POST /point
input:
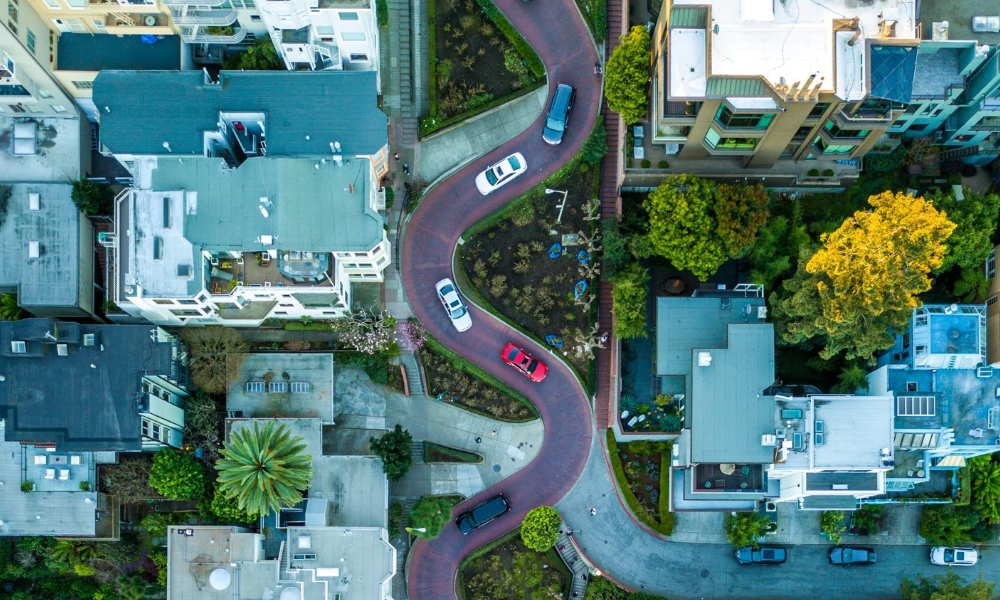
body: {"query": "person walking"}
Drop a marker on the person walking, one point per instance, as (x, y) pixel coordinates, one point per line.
(396, 156)
(406, 168)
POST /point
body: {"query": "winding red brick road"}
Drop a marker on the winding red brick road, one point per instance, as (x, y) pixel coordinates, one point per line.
(556, 31)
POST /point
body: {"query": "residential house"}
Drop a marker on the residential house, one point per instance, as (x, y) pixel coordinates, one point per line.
(283, 384)
(956, 87)
(49, 245)
(992, 309)
(946, 397)
(796, 93)
(245, 207)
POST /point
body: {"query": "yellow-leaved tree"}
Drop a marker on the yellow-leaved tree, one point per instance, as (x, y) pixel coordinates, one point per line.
(861, 285)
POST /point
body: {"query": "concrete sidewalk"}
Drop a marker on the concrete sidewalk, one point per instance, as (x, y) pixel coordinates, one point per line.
(471, 139)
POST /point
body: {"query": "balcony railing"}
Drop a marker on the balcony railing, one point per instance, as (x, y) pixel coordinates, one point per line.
(202, 37)
(219, 18)
(203, 3)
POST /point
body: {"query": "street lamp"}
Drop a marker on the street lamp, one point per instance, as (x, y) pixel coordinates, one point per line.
(561, 206)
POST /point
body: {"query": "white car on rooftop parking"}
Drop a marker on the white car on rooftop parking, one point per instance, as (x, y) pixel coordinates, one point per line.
(453, 305)
(946, 556)
(501, 173)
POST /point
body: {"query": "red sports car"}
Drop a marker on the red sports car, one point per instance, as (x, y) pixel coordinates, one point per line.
(532, 368)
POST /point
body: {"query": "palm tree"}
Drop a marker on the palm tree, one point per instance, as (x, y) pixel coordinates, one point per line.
(9, 310)
(264, 469)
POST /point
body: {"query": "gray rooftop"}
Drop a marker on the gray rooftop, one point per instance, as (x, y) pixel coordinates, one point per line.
(853, 481)
(856, 429)
(939, 65)
(140, 110)
(85, 400)
(959, 15)
(58, 150)
(728, 411)
(313, 370)
(53, 278)
(86, 52)
(63, 512)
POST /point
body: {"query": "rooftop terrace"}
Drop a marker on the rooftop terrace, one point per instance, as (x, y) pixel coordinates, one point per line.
(86, 52)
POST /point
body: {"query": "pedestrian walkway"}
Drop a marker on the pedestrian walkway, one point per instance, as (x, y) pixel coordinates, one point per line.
(467, 141)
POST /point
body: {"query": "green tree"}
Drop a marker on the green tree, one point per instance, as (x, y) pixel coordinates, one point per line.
(156, 523)
(177, 475)
(626, 76)
(393, 448)
(975, 220)
(740, 210)
(259, 57)
(596, 145)
(9, 310)
(746, 528)
(129, 479)
(985, 474)
(972, 285)
(946, 525)
(629, 301)
(682, 225)
(616, 253)
(216, 354)
(862, 283)
(540, 528)
(431, 513)
(852, 378)
(949, 586)
(599, 588)
(264, 469)
(775, 253)
(831, 524)
(93, 198)
(159, 560)
(202, 423)
(227, 510)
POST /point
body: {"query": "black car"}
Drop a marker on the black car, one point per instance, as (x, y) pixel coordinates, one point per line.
(764, 555)
(847, 556)
(558, 118)
(482, 514)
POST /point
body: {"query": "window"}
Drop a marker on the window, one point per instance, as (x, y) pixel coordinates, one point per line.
(184, 312)
(255, 386)
(7, 67)
(299, 387)
(818, 110)
(348, 16)
(31, 41)
(991, 300)
(58, 108)
(52, 3)
(18, 347)
(12, 10)
(915, 406)
(918, 126)
(730, 120)
(32, 108)
(145, 428)
(83, 85)
(832, 149)
(277, 387)
(991, 264)
(353, 36)
(911, 386)
(714, 140)
(359, 57)
(156, 431)
(834, 131)
(44, 93)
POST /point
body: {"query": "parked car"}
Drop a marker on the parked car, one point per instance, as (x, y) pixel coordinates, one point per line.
(501, 173)
(764, 555)
(947, 556)
(847, 556)
(558, 118)
(453, 305)
(527, 364)
(482, 514)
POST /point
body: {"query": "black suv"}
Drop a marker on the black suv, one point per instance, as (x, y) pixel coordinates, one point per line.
(764, 555)
(847, 556)
(558, 118)
(482, 514)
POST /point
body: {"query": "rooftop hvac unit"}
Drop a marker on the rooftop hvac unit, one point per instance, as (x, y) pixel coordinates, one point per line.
(768, 439)
(704, 359)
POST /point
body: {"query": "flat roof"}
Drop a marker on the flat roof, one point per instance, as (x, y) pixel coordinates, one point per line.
(687, 67)
(957, 333)
(312, 398)
(729, 412)
(86, 400)
(52, 279)
(783, 39)
(939, 65)
(959, 17)
(856, 429)
(356, 563)
(87, 52)
(330, 106)
(57, 155)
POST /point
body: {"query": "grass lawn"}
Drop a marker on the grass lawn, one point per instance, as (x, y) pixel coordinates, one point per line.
(507, 570)
(436, 453)
(509, 265)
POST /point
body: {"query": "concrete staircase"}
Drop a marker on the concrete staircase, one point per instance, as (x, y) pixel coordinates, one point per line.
(400, 55)
(417, 454)
(413, 379)
(567, 551)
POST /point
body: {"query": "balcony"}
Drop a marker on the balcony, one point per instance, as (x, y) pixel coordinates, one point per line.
(212, 34)
(202, 3)
(304, 269)
(206, 18)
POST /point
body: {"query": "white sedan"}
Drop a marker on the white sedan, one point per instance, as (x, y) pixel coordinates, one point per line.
(453, 305)
(501, 173)
(947, 556)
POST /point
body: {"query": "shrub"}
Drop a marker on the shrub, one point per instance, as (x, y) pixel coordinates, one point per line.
(395, 519)
(227, 510)
(745, 528)
(382, 13)
(84, 486)
(27, 486)
(596, 145)
(215, 356)
(394, 449)
(946, 525)
(156, 524)
(663, 164)
(390, 197)
(525, 49)
(93, 198)
(813, 173)
(645, 164)
(177, 475)
(828, 173)
(540, 528)
(831, 523)
(864, 521)
(431, 513)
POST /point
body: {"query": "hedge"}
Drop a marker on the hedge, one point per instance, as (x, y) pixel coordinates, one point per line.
(300, 326)
(666, 524)
(522, 47)
(459, 455)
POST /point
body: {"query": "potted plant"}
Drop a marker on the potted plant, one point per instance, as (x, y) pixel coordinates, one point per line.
(813, 172)
(828, 173)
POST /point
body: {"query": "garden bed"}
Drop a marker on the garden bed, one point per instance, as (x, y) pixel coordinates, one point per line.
(477, 60)
(662, 413)
(507, 570)
(436, 453)
(508, 262)
(453, 379)
(646, 488)
(376, 366)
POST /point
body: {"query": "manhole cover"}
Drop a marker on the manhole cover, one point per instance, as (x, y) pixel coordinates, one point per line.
(704, 573)
(496, 468)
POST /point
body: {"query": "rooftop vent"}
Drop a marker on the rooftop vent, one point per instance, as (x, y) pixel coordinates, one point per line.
(34, 249)
(89, 339)
(62, 349)
(183, 270)
(704, 359)
(34, 202)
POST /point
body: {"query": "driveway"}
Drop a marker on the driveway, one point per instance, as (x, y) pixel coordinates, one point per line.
(429, 241)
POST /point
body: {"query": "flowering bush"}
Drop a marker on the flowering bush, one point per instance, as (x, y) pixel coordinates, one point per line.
(368, 332)
(411, 335)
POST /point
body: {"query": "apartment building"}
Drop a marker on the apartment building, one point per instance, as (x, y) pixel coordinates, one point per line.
(794, 93)
(245, 206)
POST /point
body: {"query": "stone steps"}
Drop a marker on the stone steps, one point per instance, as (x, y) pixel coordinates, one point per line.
(417, 453)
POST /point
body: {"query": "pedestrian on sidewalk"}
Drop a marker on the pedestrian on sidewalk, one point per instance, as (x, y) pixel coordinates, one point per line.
(406, 168)
(396, 156)
(593, 511)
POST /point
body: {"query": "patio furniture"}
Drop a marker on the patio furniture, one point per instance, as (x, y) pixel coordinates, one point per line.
(727, 468)
(921, 473)
(976, 433)
(220, 274)
(50, 473)
(265, 259)
(63, 474)
(227, 264)
(993, 418)
(720, 483)
(39, 459)
(745, 470)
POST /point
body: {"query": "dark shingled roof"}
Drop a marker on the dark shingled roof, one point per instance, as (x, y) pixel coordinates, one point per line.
(140, 110)
(48, 398)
